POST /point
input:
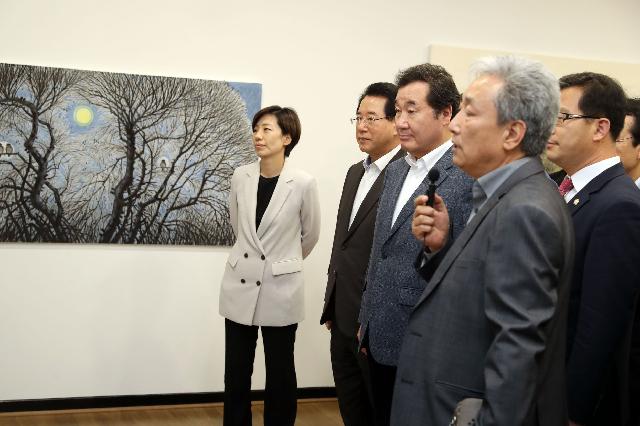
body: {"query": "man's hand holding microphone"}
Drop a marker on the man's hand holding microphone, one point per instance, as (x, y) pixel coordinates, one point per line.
(430, 218)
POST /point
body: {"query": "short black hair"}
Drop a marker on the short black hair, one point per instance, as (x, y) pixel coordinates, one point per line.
(288, 122)
(442, 89)
(382, 90)
(602, 96)
(633, 109)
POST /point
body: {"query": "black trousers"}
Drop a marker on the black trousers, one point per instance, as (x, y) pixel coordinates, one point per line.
(351, 376)
(280, 404)
(383, 378)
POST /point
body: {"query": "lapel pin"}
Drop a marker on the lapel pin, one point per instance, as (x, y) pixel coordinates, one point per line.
(576, 201)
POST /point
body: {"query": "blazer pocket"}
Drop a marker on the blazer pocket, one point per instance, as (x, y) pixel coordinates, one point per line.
(234, 255)
(287, 266)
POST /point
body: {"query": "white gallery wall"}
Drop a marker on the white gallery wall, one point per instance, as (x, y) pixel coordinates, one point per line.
(121, 320)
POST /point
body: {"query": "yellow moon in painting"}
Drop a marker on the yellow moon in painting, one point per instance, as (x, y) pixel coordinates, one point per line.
(83, 115)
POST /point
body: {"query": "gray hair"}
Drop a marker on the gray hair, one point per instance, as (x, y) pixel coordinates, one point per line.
(529, 93)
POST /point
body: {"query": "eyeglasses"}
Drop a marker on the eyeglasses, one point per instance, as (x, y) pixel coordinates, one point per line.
(564, 116)
(628, 138)
(368, 121)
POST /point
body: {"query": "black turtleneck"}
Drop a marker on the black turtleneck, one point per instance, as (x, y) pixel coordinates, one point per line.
(265, 191)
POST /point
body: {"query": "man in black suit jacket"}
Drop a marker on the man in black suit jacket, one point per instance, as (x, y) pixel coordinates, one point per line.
(377, 137)
(605, 207)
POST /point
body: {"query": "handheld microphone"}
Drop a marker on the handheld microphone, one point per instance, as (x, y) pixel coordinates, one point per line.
(433, 176)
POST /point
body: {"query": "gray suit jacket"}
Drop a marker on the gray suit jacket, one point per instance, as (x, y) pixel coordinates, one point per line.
(491, 323)
(393, 285)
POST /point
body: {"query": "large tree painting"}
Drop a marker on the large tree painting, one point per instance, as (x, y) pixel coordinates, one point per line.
(100, 157)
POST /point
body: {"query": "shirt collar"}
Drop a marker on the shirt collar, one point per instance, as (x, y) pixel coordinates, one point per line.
(585, 175)
(491, 181)
(381, 162)
(430, 159)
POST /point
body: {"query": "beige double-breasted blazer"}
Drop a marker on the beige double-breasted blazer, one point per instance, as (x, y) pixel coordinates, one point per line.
(263, 278)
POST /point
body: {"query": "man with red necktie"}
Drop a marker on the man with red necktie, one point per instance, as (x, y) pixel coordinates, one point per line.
(605, 207)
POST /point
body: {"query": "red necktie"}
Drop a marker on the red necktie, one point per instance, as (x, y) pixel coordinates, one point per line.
(565, 186)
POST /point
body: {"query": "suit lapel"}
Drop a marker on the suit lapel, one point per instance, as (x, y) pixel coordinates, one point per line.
(388, 203)
(371, 198)
(367, 204)
(443, 164)
(348, 197)
(595, 185)
(250, 193)
(526, 170)
(578, 200)
(280, 195)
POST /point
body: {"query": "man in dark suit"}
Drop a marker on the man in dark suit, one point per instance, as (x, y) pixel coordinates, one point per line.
(427, 99)
(486, 339)
(628, 148)
(628, 142)
(377, 137)
(605, 207)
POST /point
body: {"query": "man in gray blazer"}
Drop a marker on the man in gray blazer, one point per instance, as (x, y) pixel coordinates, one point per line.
(377, 137)
(487, 338)
(427, 99)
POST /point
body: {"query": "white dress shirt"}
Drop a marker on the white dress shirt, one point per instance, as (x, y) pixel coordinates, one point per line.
(585, 175)
(371, 173)
(419, 168)
(638, 183)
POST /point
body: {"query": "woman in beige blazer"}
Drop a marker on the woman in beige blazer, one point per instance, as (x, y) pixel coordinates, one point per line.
(275, 216)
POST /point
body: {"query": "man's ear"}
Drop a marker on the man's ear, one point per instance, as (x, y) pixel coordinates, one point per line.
(514, 134)
(446, 114)
(287, 140)
(602, 129)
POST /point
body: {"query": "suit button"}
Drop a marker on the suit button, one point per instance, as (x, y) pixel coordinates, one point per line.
(242, 281)
(246, 255)
(262, 257)
(257, 282)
